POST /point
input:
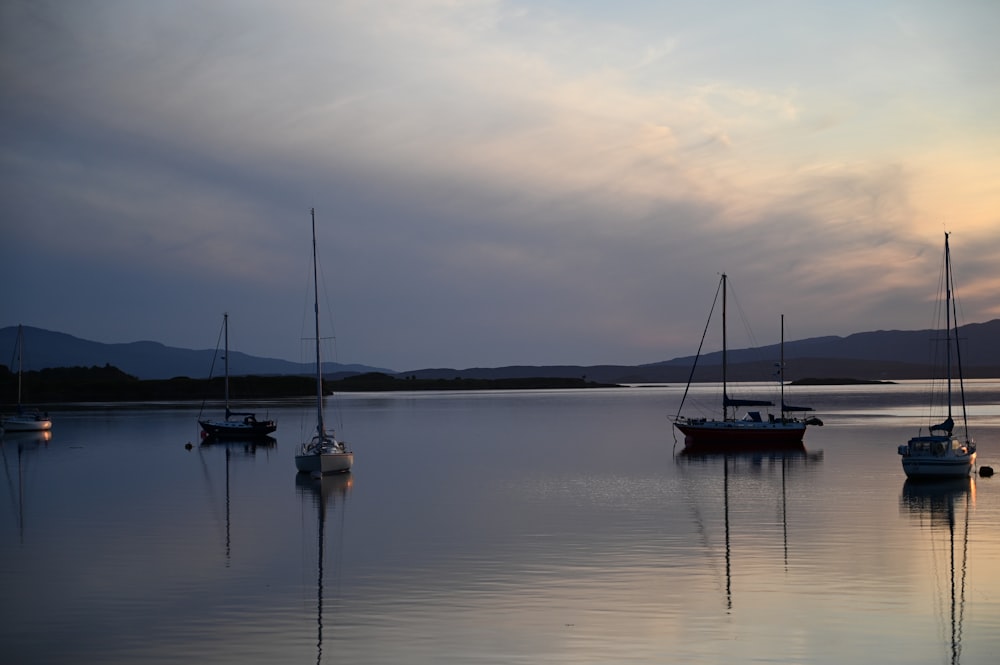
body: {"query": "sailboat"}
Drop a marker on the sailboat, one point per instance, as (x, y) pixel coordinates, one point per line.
(752, 429)
(940, 453)
(323, 453)
(25, 419)
(246, 427)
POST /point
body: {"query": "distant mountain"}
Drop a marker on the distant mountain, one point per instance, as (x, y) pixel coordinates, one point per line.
(878, 355)
(979, 347)
(147, 360)
(882, 354)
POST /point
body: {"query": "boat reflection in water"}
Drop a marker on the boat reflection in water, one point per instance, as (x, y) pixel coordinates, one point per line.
(246, 446)
(940, 506)
(18, 448)
(758, 461)
(26, 437)
(231, 447)
(324, 492)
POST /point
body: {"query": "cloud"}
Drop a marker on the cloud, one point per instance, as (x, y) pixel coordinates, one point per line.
(495, 182)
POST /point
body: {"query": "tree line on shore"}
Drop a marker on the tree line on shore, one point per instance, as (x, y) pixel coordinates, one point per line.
(110, 384)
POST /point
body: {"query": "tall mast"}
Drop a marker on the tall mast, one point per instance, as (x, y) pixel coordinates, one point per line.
(947, 309)
(725, 391)
(225, 328)
(20, 354)
(320, 429)
(781, 370)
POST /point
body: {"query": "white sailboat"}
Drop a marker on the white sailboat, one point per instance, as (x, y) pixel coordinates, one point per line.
(323, 453)
(25, 419)
(246, 427)
(940, 453)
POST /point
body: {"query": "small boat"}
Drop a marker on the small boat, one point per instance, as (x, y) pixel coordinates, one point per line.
(940, 453)
(246, 425)
(753, 429)
(24, 419)
(323, 453)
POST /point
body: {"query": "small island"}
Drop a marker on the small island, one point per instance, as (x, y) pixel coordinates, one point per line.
(379, 382)
(838, 381)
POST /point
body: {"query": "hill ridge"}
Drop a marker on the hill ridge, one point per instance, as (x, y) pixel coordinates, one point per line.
(879, 354)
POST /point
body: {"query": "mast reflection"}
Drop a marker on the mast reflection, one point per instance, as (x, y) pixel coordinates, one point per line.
(27, 445)
(231, 448)
(323, 491)
(935, 504)
(740, 460)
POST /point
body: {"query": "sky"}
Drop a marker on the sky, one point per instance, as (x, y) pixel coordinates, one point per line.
(495, 182)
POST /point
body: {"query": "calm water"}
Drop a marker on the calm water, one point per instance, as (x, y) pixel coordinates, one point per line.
(541, 527)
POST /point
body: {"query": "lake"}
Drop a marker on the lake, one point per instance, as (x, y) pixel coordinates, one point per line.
(498, 527)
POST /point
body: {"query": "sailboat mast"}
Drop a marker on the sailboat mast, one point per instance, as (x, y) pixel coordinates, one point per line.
(953, 313)
(20, 354)
(781, 370)
(225, 327)
(320, 429)
(947, 310)
(725, 391)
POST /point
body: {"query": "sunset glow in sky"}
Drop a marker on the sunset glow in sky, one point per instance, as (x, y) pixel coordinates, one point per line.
(544, 182)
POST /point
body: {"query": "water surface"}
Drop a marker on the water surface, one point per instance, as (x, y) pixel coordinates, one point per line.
(497, 527)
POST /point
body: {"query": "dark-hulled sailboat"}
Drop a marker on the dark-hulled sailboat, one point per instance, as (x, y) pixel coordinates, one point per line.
(753, 429)
(245, 426)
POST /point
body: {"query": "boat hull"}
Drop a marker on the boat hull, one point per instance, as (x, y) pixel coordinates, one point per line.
(741, 433)
(935, 457)
(26, 424)
(237, 430)
(324, 463)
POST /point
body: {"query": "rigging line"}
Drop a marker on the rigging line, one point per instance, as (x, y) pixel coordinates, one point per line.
(211, 370)
(958, 350)
(328, 311)
(744, 320)
(694, 365)
(17, 348)
(326, 299)
(333, 356)
(936, 357)
(755, 349)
